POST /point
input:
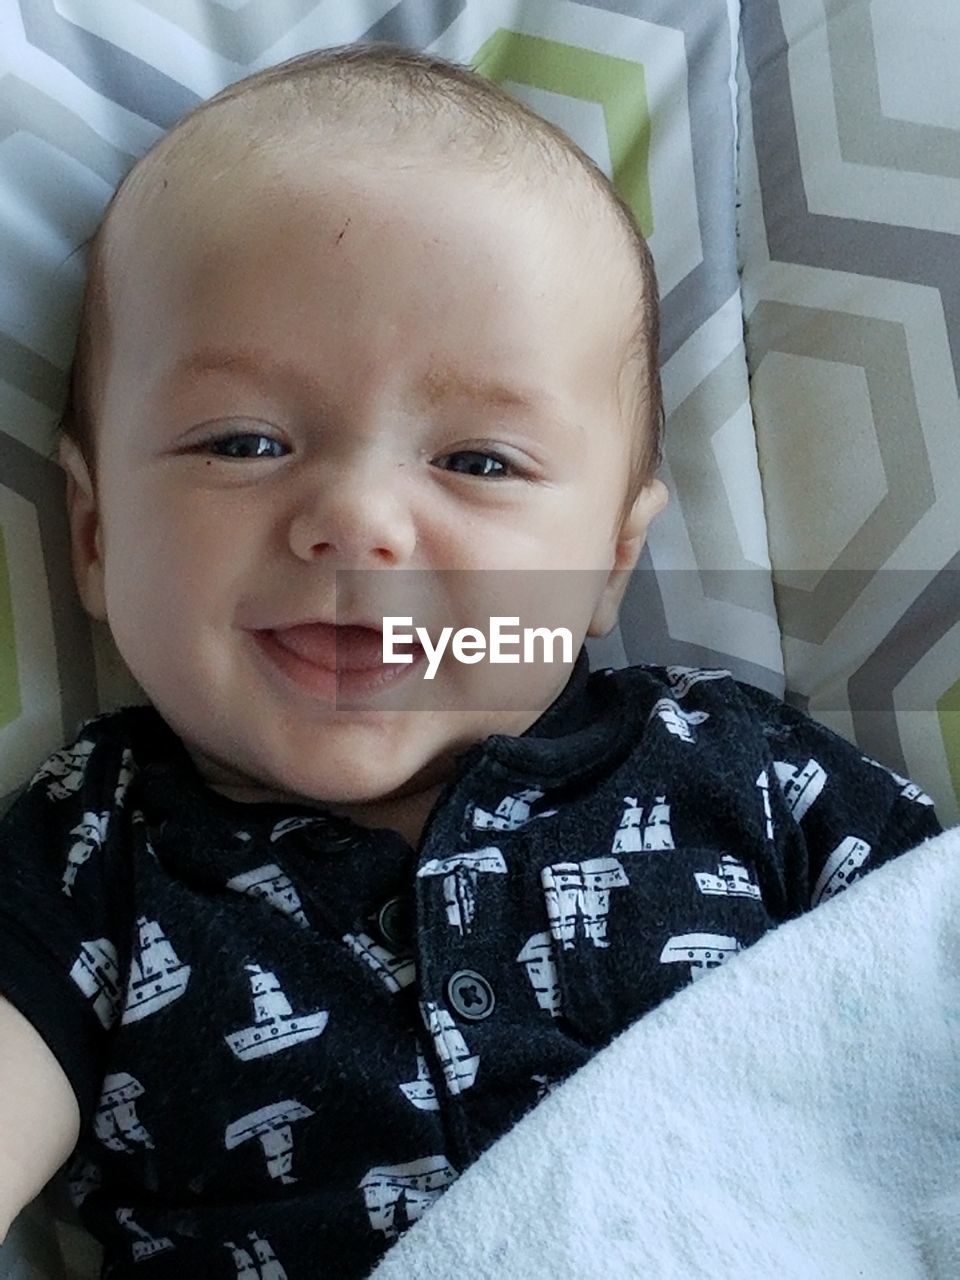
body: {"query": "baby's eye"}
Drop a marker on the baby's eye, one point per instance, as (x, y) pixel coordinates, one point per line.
(223, 446)
(477, 463)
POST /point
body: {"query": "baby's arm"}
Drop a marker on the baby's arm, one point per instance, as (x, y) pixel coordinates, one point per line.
(39, 1116)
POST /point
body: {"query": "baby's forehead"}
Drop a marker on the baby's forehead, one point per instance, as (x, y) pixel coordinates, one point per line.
(216, 223)
(238, 152)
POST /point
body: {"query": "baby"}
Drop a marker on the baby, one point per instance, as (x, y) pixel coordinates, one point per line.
(279, 964)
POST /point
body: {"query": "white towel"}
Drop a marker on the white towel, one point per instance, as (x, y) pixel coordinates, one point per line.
(794, 1115)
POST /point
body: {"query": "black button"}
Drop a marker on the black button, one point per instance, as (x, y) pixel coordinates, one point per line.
(395, 922)
(470, 995)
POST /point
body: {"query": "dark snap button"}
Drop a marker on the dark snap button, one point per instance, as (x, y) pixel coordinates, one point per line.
(395, 922)
(470, 995)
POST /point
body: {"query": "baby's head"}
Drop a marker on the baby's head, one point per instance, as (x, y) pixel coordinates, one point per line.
(320, 292)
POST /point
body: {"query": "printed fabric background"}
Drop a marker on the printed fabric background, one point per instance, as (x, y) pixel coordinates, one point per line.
(795, 167)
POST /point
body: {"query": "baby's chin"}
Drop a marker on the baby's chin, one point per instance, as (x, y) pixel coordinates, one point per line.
(333, 784)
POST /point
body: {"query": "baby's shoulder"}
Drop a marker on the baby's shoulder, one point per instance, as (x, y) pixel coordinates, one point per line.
(648, 685)
(714, 694)
(713, 707)
(91, 772)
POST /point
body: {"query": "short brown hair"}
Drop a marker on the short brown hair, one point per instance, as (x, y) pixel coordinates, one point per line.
(416, 87)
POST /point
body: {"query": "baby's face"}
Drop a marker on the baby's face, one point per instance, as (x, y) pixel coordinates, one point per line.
(343, 323)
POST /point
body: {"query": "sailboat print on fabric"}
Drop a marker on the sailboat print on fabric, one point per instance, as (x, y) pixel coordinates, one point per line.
(395, 972)
(537, 957)
(701, 951)
(422, 1091)
(397, 1195)
(800, 787)
(274, 885)
(92, 830)
(732, 880)
(64, 770)
(909, 790)
(678, 722)
(263, 1265)
(763, 782)
(272, 1125)
(459, 1064)
(581, 891)
(511, 813)
(460, 872)
(840, 869)
(276, 1027)
(656, 832)
(682, 679)
(116, 1123)
(67, 778)
(147, 1245)
(545, 1086)
(97, 973)
(157, 976)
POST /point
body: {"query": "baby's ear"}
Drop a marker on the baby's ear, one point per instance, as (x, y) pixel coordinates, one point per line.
(86, 543)
(650, 501)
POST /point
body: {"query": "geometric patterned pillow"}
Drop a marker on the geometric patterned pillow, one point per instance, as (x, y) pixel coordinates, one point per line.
(850, 243)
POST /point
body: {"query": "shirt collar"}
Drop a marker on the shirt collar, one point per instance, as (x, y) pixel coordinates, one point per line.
(578, 735)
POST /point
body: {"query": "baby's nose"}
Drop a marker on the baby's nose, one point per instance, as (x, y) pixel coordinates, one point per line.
(358, 518)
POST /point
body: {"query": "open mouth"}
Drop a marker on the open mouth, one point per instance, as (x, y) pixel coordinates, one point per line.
(334, 661)
(336, 648)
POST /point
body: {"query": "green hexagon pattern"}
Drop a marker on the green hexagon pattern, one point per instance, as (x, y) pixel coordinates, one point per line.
(617, 85)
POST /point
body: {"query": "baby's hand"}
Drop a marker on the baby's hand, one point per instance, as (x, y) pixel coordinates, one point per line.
(39, 1116)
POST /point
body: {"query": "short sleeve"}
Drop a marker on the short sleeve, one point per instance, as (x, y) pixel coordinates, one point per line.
(844, 813)
(58, 956)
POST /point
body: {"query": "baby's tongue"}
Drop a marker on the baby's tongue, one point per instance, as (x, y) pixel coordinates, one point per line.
(337, 648)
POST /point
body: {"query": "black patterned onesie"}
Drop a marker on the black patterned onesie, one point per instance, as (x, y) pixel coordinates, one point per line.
(288, 1034)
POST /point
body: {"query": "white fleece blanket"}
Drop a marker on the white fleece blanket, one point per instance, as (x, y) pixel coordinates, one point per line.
(795, 1115)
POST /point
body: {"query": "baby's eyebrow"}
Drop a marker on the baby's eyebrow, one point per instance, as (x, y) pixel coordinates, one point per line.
(439, 384)
(442, 384)
(230, 360)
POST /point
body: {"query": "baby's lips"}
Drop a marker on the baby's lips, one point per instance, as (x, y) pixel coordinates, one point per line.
(337, 648)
